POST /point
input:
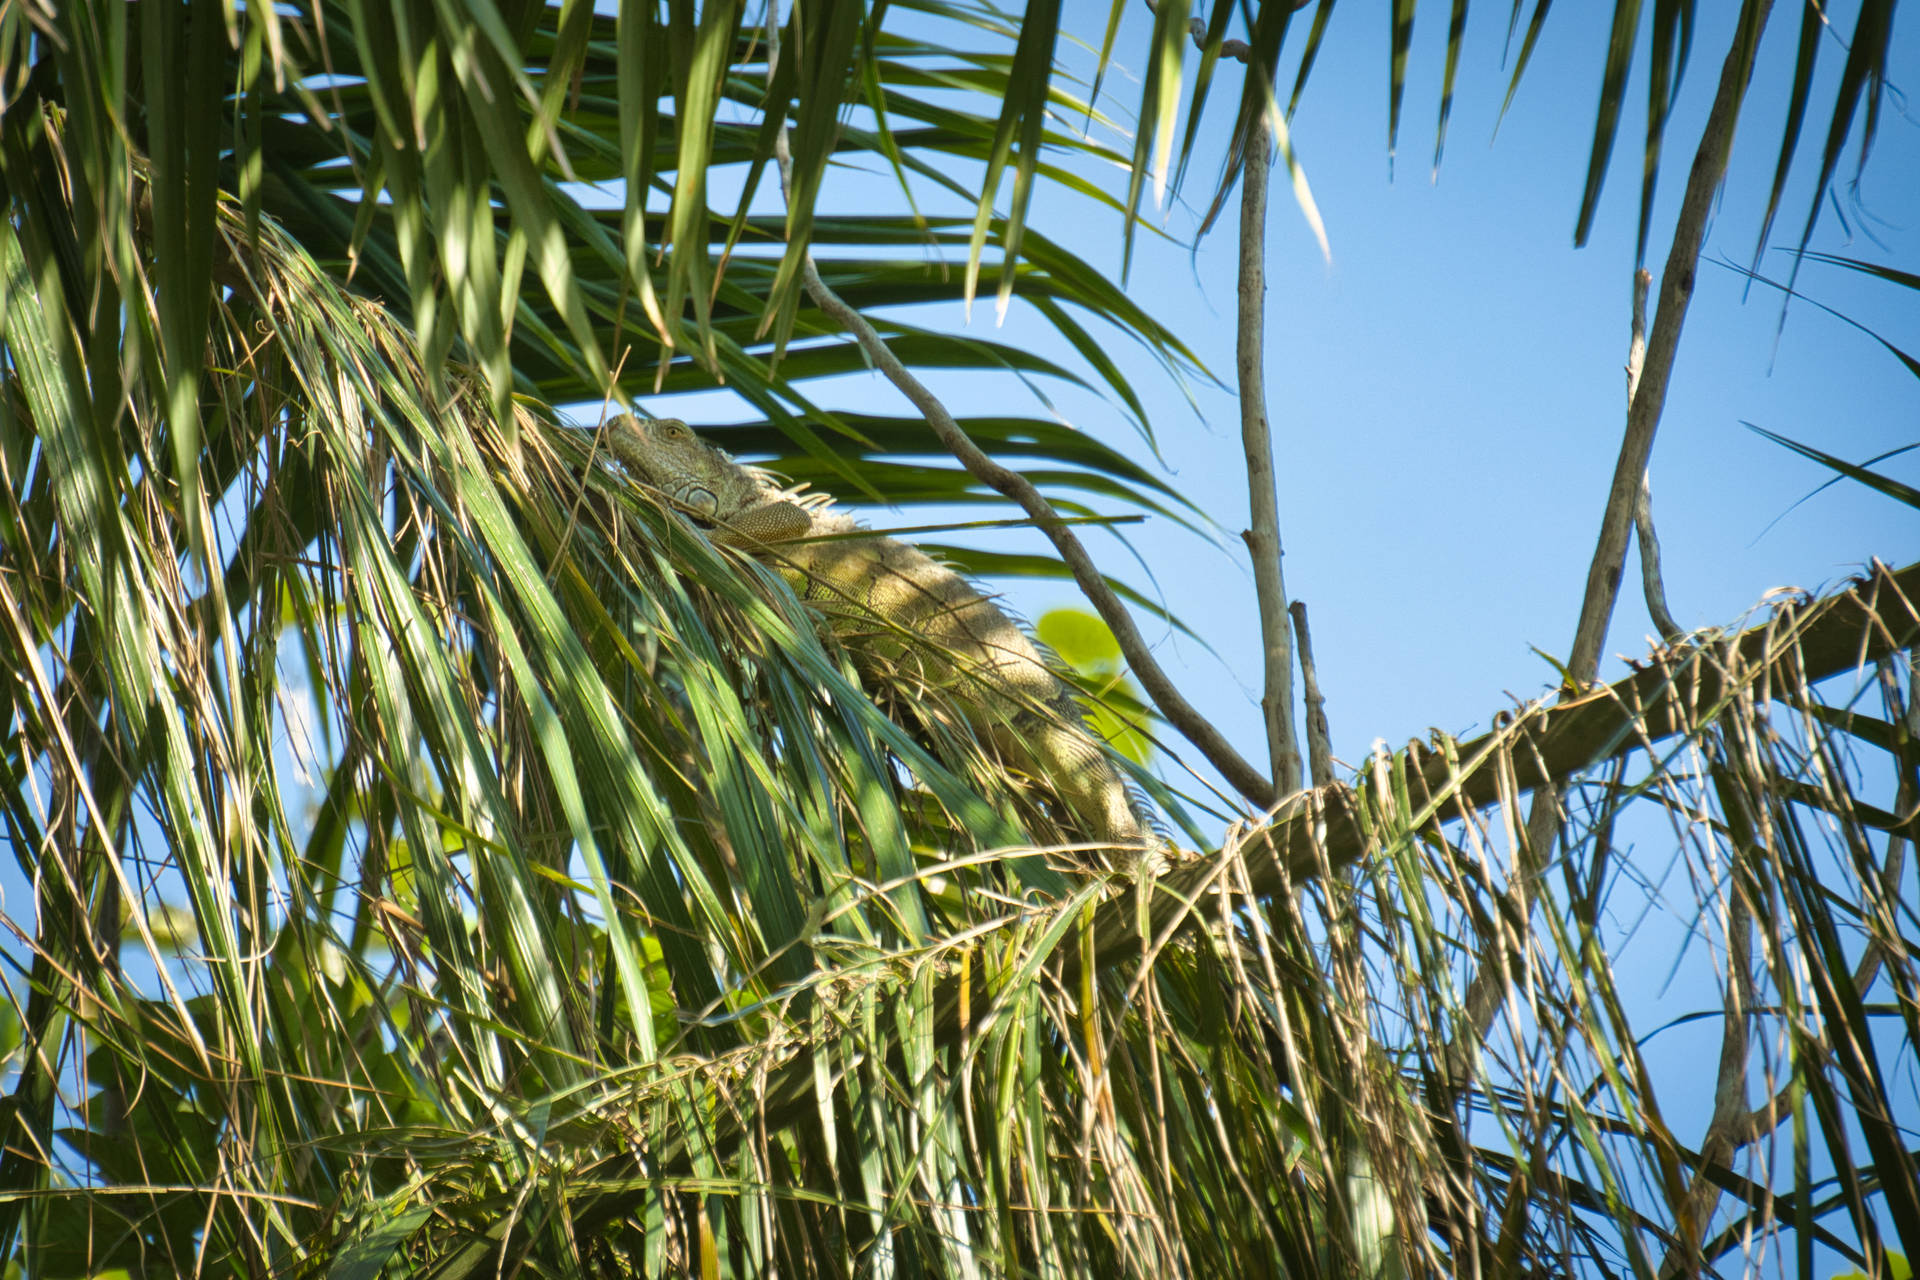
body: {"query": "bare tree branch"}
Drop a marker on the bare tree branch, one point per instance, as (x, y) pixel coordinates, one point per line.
(1651, 583)
(1263, 538)
(1319, 740)
(1652, 586)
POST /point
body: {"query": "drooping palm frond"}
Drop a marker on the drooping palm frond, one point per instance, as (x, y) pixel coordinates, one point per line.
(446, 154)
(530, 192)
(542, 761)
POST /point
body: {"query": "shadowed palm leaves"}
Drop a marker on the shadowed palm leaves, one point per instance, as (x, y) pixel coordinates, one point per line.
(441, 858)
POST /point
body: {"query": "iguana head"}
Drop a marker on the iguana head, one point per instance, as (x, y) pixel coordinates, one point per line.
(700, 478)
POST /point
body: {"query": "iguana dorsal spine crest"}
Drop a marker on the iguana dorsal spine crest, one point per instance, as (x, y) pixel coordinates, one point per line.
(964, 643)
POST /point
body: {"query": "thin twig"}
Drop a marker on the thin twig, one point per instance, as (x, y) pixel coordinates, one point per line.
(1637, 341)
(1263, 538)
(1651, 583)
(1731, 1124)
(1179, 712)
(1319, 739)
(1652, 586)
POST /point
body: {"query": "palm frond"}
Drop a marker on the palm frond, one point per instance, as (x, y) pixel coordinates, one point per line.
(442, 857)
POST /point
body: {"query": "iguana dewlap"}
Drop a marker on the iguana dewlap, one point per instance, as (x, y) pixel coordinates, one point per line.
(900, 612)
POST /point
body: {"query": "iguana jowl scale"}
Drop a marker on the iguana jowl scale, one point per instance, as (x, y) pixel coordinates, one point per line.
(880, 590)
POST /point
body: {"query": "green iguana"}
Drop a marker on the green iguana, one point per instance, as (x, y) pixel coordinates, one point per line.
(965, 645)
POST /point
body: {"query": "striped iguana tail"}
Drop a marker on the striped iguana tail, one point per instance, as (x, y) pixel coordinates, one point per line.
(903, 616)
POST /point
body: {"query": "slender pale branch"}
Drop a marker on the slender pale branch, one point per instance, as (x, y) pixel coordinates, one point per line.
(1637, 339)
(1180, 713)
(1263, 538)
(1319, 739)
(1652, 586)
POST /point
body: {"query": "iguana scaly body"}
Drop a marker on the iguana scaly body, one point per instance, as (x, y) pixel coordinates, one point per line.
(879, 590)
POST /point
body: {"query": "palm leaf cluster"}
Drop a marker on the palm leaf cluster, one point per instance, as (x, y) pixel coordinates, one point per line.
(443, 859)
